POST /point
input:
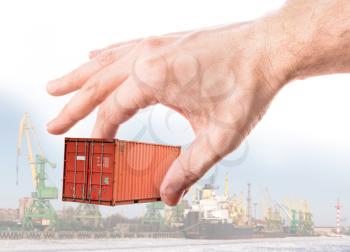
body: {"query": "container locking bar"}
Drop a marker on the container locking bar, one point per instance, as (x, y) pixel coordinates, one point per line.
(91, 167)
(100, 189)
(75, 170)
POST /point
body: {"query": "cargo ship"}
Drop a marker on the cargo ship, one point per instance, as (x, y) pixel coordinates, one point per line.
(195, 228)
(211, 216)
(216, 217)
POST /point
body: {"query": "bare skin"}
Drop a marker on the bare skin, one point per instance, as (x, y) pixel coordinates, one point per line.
(220, 79)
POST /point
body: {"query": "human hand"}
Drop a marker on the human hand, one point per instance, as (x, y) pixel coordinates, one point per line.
(221, 80)
(216, 78)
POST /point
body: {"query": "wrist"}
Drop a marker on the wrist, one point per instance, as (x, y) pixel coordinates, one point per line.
(305, 39)
(280, 49)
(264, 52)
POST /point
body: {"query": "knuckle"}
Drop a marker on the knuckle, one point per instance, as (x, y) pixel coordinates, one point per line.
(152, 63)
(94, 91)
(106, 57)
(90, 88)
(156, 64)
(75, 76)
(151, 42)
(124, 109)
(72, 116)
(151, 70)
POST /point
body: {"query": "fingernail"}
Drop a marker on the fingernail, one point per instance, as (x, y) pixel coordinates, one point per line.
(170, 190)
(48, 126)
(51, 87)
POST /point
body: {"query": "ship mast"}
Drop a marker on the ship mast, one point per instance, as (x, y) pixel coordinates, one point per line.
(249, 205)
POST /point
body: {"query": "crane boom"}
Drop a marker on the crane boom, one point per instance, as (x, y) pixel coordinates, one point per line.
(19, 145)
(31, 159)
(27, 130)
(25, 127)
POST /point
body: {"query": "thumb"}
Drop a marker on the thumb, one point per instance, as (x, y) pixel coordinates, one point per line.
(190, 166)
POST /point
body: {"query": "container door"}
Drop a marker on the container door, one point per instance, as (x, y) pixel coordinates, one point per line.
(76, 170)
(101, 171)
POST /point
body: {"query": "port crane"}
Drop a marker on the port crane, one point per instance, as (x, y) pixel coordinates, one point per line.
(291, 217)
(272, 213)
(40, 211)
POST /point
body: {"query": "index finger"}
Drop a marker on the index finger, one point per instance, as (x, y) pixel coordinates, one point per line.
(77, 78)
(91, 95)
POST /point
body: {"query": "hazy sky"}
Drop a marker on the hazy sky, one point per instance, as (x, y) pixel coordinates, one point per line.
(299, 150)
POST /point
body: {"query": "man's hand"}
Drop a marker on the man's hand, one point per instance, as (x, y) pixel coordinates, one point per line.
(221, 80)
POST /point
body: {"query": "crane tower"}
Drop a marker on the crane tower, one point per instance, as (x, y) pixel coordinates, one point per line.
(40, 212)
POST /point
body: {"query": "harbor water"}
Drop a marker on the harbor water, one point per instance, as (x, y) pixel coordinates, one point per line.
(291, 244)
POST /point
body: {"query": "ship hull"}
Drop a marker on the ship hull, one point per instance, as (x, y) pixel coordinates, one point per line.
(205, 230)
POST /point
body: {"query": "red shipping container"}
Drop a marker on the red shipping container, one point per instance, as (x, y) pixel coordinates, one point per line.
(113, 172)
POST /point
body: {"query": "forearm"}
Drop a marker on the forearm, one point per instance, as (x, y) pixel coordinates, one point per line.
(307, 38)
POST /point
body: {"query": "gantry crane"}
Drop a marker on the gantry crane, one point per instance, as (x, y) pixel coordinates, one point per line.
(272, 213)
(291, 214)
(40, 211)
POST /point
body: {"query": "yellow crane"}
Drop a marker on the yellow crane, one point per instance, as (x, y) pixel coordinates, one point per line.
(226, 190)
(40, 212)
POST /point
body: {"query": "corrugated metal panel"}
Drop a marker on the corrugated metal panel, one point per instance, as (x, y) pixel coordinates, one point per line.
(140, 169)
(114, 172)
